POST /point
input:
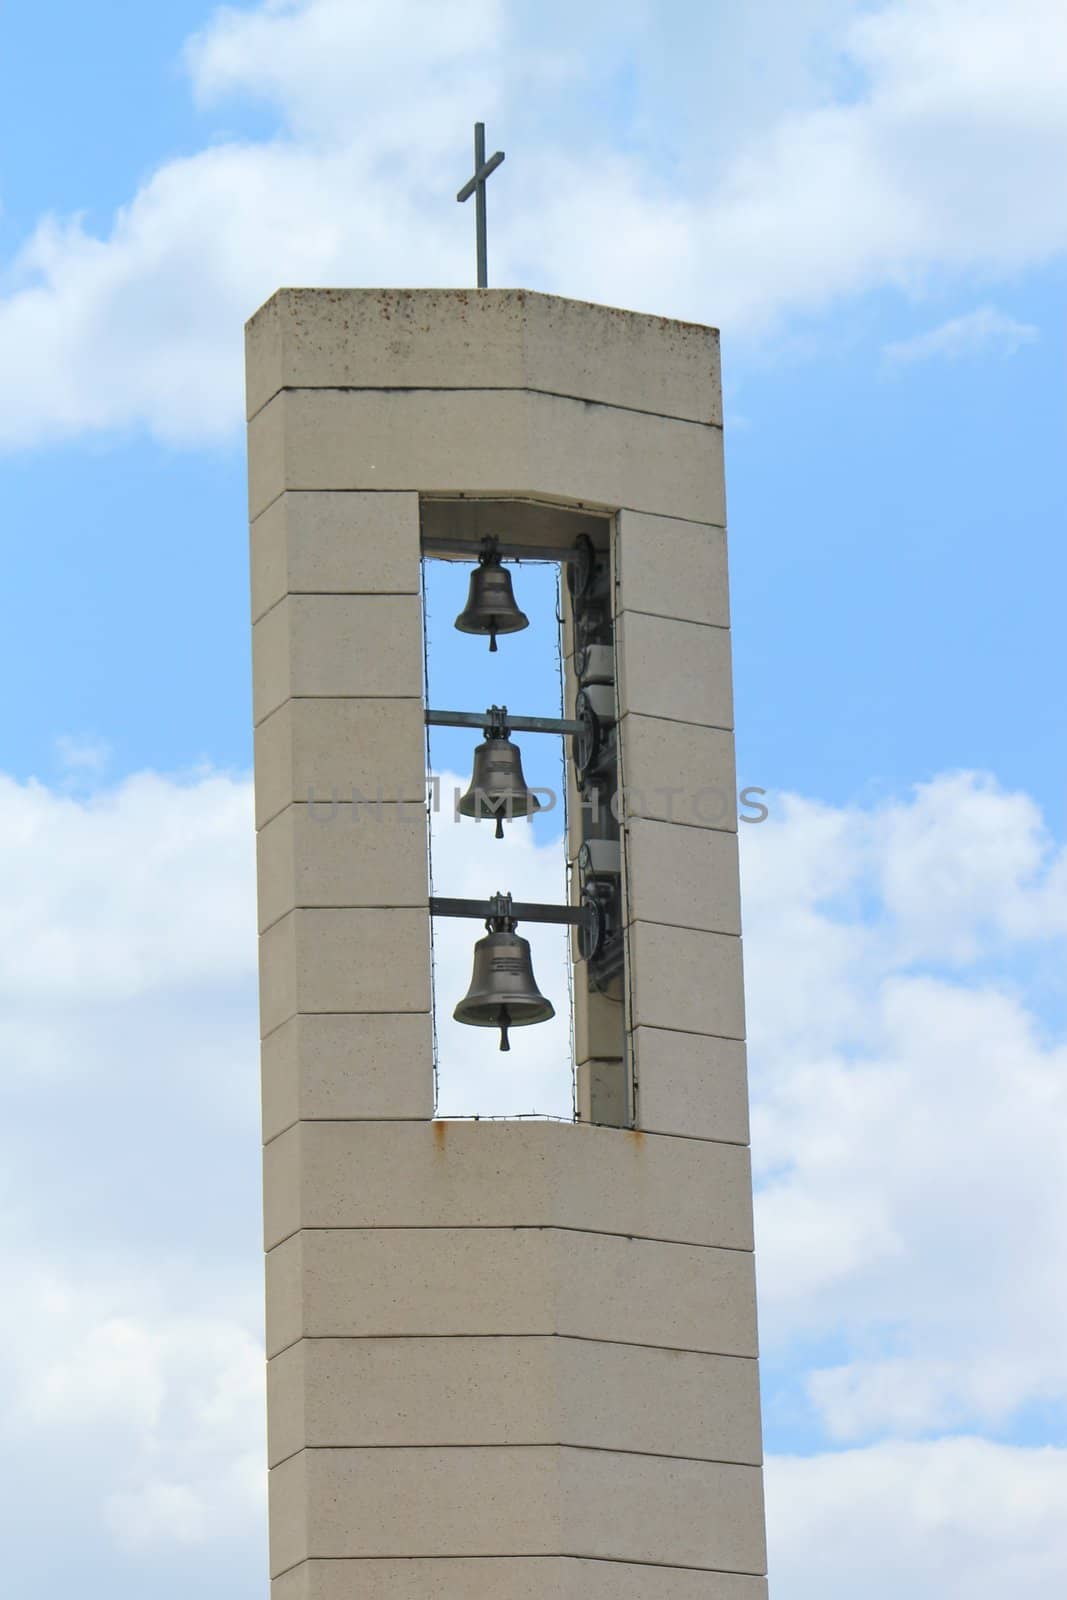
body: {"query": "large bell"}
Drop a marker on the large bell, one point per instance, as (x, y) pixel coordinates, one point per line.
(497, 787)
(491, 604)
(503, 992)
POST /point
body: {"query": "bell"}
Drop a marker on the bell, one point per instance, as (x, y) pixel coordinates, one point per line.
(497, 787)
(491, 604)
(503, 992)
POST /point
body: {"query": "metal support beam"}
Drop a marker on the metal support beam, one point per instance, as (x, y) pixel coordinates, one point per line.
(470, 550)
(520, 910)
(482, 719)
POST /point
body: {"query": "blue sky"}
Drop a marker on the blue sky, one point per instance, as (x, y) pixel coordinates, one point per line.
(868, 199)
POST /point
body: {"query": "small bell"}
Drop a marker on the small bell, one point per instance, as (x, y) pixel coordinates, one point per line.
(497, 787)
(491, 604)
(503, 992)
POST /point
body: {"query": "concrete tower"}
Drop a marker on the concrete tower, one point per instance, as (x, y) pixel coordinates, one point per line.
(508, 1360)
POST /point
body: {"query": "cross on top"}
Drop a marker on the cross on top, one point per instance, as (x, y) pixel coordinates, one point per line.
(476, 186)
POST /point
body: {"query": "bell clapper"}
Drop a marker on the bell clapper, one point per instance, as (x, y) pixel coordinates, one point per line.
(505, 1023)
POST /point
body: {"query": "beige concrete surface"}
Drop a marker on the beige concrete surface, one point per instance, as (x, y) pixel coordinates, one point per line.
(672, 569)
(320, 1067)
(686, 980)
(516, 1500)
(515, 1174)
(327, 750)
(509, 1578)
(678, 772)
(370, 854)
(679, 670)
(514, 1359)
(691, 1084)
(337, 645)
(335, 544)
(685, 876)
(348, 959)
(361, 1283)
(528, 1390)
(604, 1088)
(484, 441)
(528, 520)
(598, 1028)
(495, 338)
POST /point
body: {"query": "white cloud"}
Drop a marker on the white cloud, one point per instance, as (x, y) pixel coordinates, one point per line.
(909, 1104)
(958, 1519)
(138, 889)
(157, 1411)
(935, 164)
(83, 754)
(982, 332)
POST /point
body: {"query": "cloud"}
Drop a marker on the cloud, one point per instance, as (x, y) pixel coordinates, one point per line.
(982, 332)
(83, 754)
(910, 1097)
(920, 150)
(959, 1519)
(156, 1411)
(81, 927)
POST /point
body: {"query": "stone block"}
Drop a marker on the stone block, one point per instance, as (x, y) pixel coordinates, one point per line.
(599, 1025)
(678, 772)
(604, 1092)
(495, 338)
(509, 1578)
(331, 751)
(447, 1281)
(691, 1084)
(501, 1174)
(683, 875)
(687, 980)
(328, 1067)
(335, 544)
(332, 1393)
(679, 670)
(531, 1500)
(369, 854)
(337, 645)
(344, 959)
(478, 442)
(670, 568)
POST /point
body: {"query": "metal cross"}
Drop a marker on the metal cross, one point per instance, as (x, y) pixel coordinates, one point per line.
(476, 186)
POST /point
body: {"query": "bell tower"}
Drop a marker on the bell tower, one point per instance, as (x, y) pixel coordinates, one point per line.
(508, 1360)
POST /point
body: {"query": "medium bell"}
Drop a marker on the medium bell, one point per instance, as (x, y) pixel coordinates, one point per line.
(503, 992)
(497, 787)
(491, 604)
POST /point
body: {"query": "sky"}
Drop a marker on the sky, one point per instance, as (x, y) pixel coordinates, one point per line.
(868, 200)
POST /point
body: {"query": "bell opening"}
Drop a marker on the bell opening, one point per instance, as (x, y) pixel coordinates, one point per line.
(489, 1064)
